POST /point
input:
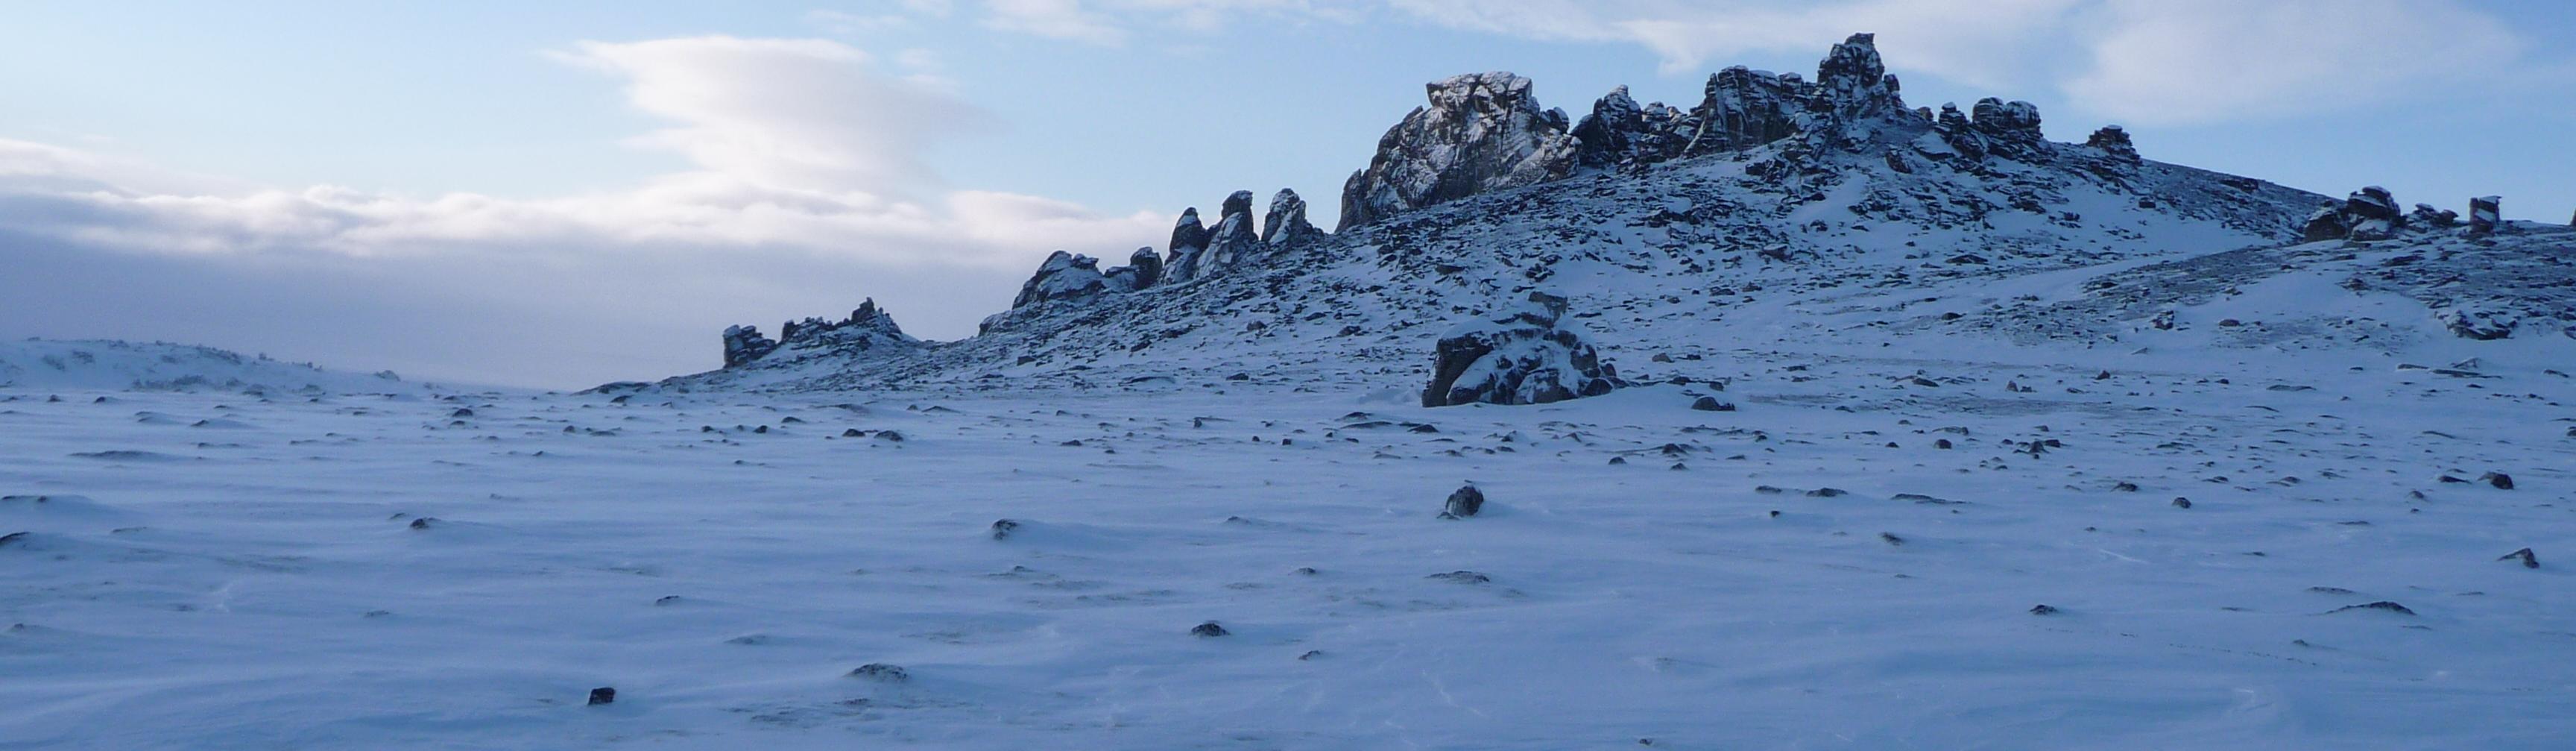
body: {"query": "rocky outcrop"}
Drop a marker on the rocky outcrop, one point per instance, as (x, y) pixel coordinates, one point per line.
(1742, 108)
(1286, 223)
(1064, 276)
(2485, 214)
(2369, 214)
(1853, 85)
(1522, 357)
(2113, 141)
(2009, 129)
(867, 328)
(1228, 244)
(1482, 132)
(2425, 215)
(743, 344)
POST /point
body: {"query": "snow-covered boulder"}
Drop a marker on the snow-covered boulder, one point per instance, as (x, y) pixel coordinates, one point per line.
(1524, 356)
(1064, 276)
(1482, 132)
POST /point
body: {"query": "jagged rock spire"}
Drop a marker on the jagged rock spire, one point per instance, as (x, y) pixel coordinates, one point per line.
(1286, 223)
(1852, 83)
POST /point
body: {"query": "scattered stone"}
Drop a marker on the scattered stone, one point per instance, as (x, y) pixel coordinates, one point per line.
(423, 522)
(1463, 503)
(603, 695)
(2528, 558)
(2125, 486)
(2180, 502)
(1462, 577)
(881, 672)
(1711, 404)
(1891, 538)
(1827, 493)
(2499, 480)
(1208, 629)
(1003, 528)
(2380, 605)
(2042, 610)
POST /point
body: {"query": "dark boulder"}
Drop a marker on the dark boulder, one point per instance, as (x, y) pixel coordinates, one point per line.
(1463, 503)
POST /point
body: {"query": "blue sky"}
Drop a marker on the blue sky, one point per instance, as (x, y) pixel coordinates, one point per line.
(563, 193)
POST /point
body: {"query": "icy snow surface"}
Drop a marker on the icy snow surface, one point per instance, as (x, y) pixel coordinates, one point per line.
(220, 570)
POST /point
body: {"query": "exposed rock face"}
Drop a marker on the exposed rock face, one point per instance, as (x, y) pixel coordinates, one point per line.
(1743, 108)
(1143, 269)
(1481, 132)
(1286, 223)
(2369, 214)
(1521, 357)
(2114, 140)
(743, 344)
(2485, 213)
(1064, 276)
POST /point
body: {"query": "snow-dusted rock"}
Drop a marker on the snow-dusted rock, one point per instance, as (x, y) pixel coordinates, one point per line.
(1743, 108)
(2426, 216)
(2011, 129)
(1143, 269)
(1481, 132)
(1286, 223)
(1852, 84)
(1064, 276)
(2114, 141)
(1521, 357)
(1189, 241)
(1228, 244)
(2369, 214)
(2485, 214)
(743, 344)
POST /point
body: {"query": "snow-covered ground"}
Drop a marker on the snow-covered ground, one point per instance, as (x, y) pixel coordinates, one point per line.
(223, 570)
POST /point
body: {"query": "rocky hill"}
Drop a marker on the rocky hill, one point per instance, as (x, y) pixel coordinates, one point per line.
(1776, 213)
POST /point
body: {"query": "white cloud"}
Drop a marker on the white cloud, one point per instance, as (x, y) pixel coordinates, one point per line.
(807, 169)
(2195, 61)
(2147, 61)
